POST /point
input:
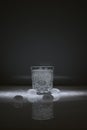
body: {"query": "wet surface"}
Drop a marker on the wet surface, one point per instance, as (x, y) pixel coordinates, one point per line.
(69, 111)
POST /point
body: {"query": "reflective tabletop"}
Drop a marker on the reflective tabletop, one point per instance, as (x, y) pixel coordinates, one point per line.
(64, 108)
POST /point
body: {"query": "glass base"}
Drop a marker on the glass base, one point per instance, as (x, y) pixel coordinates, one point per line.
(43, 93)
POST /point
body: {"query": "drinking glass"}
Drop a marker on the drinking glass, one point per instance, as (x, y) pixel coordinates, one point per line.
(42, 78)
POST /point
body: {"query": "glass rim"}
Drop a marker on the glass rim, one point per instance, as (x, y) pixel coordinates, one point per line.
(42, 67)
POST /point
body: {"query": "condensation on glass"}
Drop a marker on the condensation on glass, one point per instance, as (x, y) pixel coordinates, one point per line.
(42, 78)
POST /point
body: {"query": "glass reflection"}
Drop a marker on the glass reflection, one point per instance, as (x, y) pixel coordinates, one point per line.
(43, 110)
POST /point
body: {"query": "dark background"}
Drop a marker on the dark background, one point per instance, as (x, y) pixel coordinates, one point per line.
(41, 33)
